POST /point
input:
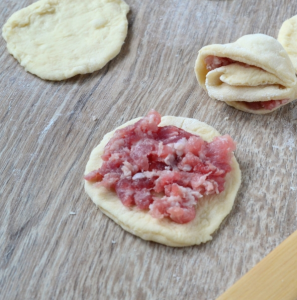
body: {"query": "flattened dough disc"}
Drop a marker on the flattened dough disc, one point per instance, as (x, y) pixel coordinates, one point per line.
(58, 39)
(287, 36)
(211, 210)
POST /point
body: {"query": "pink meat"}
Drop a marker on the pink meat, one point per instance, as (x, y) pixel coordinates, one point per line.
(214, 62)
(94, 176)
(165, 170)
(269, 105)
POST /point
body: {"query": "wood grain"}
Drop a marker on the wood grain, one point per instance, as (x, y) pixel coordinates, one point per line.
(47, 133)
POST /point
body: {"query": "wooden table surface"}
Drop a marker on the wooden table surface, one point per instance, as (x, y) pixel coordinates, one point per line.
(48, 131)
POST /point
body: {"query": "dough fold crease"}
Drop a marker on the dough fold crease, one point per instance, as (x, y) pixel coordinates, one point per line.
(255, 68)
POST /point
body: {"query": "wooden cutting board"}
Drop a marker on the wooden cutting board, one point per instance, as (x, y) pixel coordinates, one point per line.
(274, 278)
(54, 243)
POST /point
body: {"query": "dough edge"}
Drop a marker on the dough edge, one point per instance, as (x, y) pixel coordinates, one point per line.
(287, 37)
(247, 49)
(222, 90)
(241, 51)
(212, 209)
(79, 67)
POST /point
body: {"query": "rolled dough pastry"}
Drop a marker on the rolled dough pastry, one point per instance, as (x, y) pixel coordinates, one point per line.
(258, 69)
(287, 36)
(211, 210)
(58, 39)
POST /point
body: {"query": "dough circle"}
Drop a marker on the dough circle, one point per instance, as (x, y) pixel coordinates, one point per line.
(270, 75)
(287, 36)
(211, 210)
(58, 39)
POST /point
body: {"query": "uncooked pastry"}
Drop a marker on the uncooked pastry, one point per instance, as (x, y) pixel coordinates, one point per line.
(58, 39)
(262, 72)
(287, 36)
(211, 210)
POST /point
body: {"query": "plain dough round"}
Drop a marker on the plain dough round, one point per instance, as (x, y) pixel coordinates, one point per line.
(58, 39)
(211, 210)
(271, 75)
(287, 36)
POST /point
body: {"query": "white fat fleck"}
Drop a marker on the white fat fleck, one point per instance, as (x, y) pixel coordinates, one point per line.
(208, 186)
(138, 176)
(94, 118)
(151, 119)
(173, 199)
(113, 242)
(188, 194)
(175, 168)
(149, 174)
(293, 188)
(160, 148)
(198, 181)
(187, 168)
(72, 213)
(216, 186)
(127, 169)
(169, 160)
(180, 144)
(192, 196)
(114, 156)
(126, 172)
(216, 60)
(226, 118)
(179, 152)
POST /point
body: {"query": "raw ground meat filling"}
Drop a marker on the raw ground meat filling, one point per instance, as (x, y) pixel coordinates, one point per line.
(269, 105)
(163, 169)
(214, 62)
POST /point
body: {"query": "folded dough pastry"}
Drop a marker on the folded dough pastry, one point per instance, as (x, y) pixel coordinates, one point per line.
(253, 74)
(211, 210)
(287, 36)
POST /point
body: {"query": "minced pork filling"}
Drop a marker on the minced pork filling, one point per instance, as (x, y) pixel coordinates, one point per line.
(165, 170)
(214, 62)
